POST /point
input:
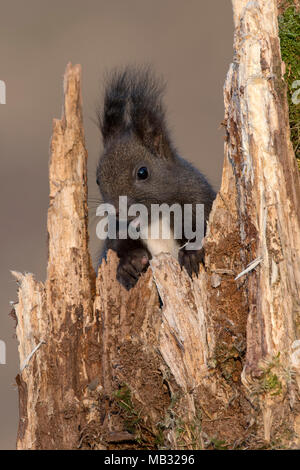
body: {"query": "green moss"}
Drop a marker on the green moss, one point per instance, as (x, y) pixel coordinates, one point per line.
(272, 384)
(270, 381)
(289, 33)
(131, 416)
(123, 397)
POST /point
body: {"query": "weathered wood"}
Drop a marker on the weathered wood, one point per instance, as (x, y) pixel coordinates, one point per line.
(175, 363)
(58, 314)
(266, 175)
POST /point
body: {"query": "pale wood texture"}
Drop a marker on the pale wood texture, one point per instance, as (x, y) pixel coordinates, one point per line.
(175, 363)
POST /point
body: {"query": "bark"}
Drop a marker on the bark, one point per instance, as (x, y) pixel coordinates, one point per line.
(212, 362)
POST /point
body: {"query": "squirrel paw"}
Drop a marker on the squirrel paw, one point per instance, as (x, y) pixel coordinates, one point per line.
(190, 259)
(131, 266)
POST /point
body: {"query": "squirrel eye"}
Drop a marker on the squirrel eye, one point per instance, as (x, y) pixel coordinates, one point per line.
(97, 181)
(142, 173)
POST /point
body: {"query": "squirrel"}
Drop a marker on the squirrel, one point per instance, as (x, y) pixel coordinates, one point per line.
(140, 161)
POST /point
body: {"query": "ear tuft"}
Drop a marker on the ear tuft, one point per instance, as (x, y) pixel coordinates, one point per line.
(133, 102)
(117, 93)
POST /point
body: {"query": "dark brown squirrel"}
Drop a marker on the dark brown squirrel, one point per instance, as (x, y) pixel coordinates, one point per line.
(140, 161)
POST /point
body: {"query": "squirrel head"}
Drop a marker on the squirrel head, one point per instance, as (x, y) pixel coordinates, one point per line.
(138, 160)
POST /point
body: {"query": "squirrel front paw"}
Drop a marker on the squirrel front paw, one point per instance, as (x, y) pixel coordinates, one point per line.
(190, 260)
(131, 266)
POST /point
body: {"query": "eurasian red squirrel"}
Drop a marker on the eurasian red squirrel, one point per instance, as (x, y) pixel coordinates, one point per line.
(140, 161)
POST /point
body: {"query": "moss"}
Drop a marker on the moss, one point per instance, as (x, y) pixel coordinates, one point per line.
(272, 384)
(123, 397)
(272, 378)
(289, 33)
(131, 416)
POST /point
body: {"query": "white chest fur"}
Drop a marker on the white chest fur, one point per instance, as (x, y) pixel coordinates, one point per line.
(158, 239)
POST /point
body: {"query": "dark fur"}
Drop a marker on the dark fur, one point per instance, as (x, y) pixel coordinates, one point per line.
(135, 134)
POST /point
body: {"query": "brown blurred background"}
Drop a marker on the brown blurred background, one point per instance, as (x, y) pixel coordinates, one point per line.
(189, 42)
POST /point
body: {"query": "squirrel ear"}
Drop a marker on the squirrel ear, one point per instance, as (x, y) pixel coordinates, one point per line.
(162, 146)
(156, 138)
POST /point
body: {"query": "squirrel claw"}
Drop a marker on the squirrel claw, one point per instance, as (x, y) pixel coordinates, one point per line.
(190, 260)
(131, 266)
